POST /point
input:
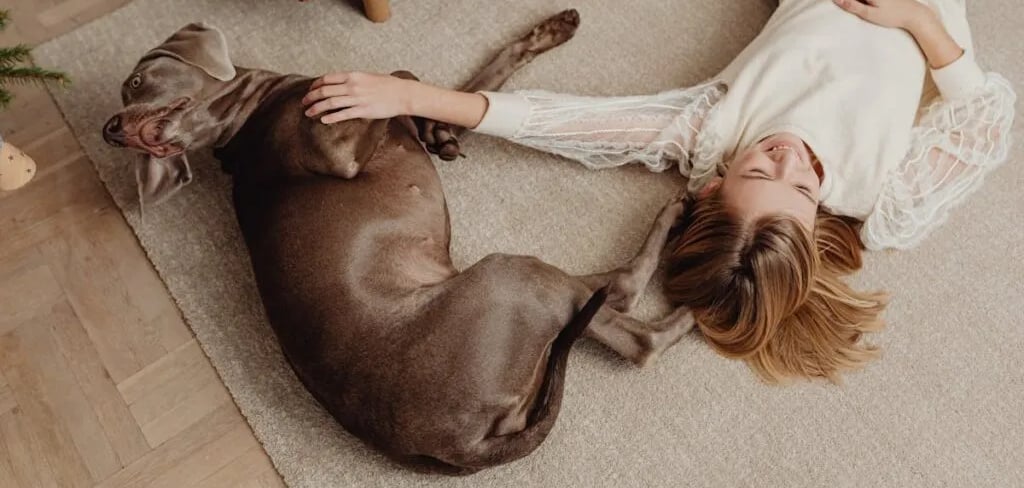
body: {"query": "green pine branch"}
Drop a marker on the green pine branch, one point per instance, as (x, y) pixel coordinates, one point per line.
(30, 74)
(9, 56)
(13, 70)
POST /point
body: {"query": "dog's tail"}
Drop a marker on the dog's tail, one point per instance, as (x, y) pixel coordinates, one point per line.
(502, 449)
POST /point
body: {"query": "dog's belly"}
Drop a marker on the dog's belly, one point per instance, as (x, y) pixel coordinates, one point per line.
(345, 269)
(328, 251)
(358, 242)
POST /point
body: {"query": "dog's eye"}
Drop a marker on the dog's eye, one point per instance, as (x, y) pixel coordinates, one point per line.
(136, 81)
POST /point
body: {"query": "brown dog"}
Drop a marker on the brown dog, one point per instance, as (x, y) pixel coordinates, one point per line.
(348, 232)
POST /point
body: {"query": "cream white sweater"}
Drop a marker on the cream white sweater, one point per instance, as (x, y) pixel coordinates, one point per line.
(850, 89)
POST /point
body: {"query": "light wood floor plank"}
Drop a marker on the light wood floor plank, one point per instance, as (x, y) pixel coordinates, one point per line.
(39, 20)
(268, 478)
(42, 209)
(169, 323)
(72, 13)
(7, 402)
(175, 418)
(180, 365)
(120, 429)
(58, 146)
(30, 103)
(24, 453)
(146, 290)
(223, 429)
(25, 294)
(209, 459)
(48, 438)
(7, 473)
(246, 470)
(85, 262)
(70, 405)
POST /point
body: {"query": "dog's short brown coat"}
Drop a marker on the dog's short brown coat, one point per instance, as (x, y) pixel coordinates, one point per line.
(347, 230)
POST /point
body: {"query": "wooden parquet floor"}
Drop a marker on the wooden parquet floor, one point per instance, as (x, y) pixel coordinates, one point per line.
(101, 382)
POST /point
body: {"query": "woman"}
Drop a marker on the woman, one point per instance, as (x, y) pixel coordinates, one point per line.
(805, 147)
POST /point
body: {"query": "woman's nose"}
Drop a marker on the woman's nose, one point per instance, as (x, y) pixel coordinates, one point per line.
(786, 160)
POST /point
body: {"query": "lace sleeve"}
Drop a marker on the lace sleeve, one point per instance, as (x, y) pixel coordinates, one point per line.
(603, 132)
(956, 143)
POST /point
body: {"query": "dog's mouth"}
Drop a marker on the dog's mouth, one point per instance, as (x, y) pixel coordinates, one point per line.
(155, 134)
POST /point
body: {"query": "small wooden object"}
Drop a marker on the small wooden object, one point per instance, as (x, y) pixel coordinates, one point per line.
(16, 168)
(377, 10)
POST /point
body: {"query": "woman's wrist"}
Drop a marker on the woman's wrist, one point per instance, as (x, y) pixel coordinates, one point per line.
(443, 105)
(938, 46)
(415, 96)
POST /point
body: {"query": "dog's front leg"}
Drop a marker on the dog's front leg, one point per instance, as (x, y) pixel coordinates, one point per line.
(628, 282)
(637, 341)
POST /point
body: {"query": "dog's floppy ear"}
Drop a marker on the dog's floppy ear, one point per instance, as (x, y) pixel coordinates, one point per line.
(200, 46)
(159, 178)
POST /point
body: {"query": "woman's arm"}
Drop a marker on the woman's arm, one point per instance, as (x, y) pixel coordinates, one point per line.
(959, 139)
(343, 96)
(604, 132)
(956, 144)
(599, 132)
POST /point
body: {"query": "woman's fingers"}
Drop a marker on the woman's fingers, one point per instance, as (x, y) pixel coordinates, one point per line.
(343, 115)
(356, 95)
(331, 79)
(326, 92)
(854, 7)
(332, 103)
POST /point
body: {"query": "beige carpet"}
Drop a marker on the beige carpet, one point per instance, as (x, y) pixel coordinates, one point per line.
(943, 407)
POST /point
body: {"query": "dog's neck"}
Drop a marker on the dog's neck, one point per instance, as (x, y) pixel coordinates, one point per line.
(243, 95)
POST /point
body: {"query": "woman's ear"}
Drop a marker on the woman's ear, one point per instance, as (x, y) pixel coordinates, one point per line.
(710, 188)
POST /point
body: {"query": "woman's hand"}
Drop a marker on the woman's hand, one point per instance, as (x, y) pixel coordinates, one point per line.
(939, 48)
(899, 14)
(354, 95)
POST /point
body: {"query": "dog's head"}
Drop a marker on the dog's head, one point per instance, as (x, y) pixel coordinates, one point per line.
(166, 111)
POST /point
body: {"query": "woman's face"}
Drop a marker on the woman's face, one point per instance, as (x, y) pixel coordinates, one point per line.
(777, 175)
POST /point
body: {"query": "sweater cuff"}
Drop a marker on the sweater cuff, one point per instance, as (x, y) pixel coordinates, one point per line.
(505, 114)
(960, 79)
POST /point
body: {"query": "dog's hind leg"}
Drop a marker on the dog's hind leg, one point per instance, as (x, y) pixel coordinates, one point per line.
(551, 33)
(441, 138)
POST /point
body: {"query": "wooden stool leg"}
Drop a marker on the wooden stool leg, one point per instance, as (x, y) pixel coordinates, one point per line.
(377, 10)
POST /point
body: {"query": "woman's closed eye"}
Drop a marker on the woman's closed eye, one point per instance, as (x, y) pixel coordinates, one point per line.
(760, 174)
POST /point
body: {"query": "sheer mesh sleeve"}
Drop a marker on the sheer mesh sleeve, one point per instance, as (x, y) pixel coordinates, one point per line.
(955, 144)
(603, 132)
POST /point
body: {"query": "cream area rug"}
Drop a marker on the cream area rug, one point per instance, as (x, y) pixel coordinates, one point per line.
(943, 407)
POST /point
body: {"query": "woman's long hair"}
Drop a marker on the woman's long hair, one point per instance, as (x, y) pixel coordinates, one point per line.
(769, 292)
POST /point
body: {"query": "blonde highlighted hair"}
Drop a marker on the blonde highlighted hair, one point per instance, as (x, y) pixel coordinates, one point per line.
(769, 292)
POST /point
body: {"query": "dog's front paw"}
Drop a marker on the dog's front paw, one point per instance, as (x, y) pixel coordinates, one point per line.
(665, 334)
(676, 206)
(439, 138)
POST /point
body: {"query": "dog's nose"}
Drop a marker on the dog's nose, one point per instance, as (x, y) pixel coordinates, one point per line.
(113, 132)
(113, 126)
